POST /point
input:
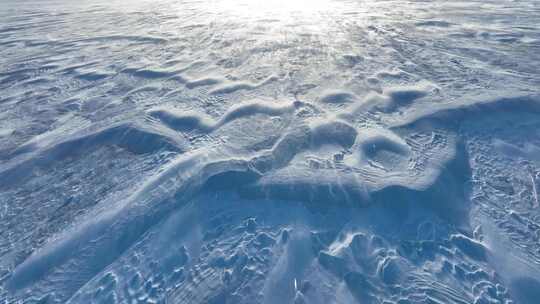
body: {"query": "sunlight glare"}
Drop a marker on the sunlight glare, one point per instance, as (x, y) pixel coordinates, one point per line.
(276, 7)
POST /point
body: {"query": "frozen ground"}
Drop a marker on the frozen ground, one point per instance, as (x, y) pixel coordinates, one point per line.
(277, 151)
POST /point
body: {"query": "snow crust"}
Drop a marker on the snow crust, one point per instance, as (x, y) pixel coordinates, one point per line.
(334, 151)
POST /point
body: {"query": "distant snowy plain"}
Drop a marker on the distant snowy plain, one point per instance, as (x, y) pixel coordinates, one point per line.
(250, 151)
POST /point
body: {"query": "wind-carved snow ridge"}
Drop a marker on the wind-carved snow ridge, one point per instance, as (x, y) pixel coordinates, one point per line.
(191, 121)
(288, 170)
(231, 152)
(134, 137)
(320, 160)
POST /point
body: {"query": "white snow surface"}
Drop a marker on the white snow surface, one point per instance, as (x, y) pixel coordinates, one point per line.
(250, 151)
